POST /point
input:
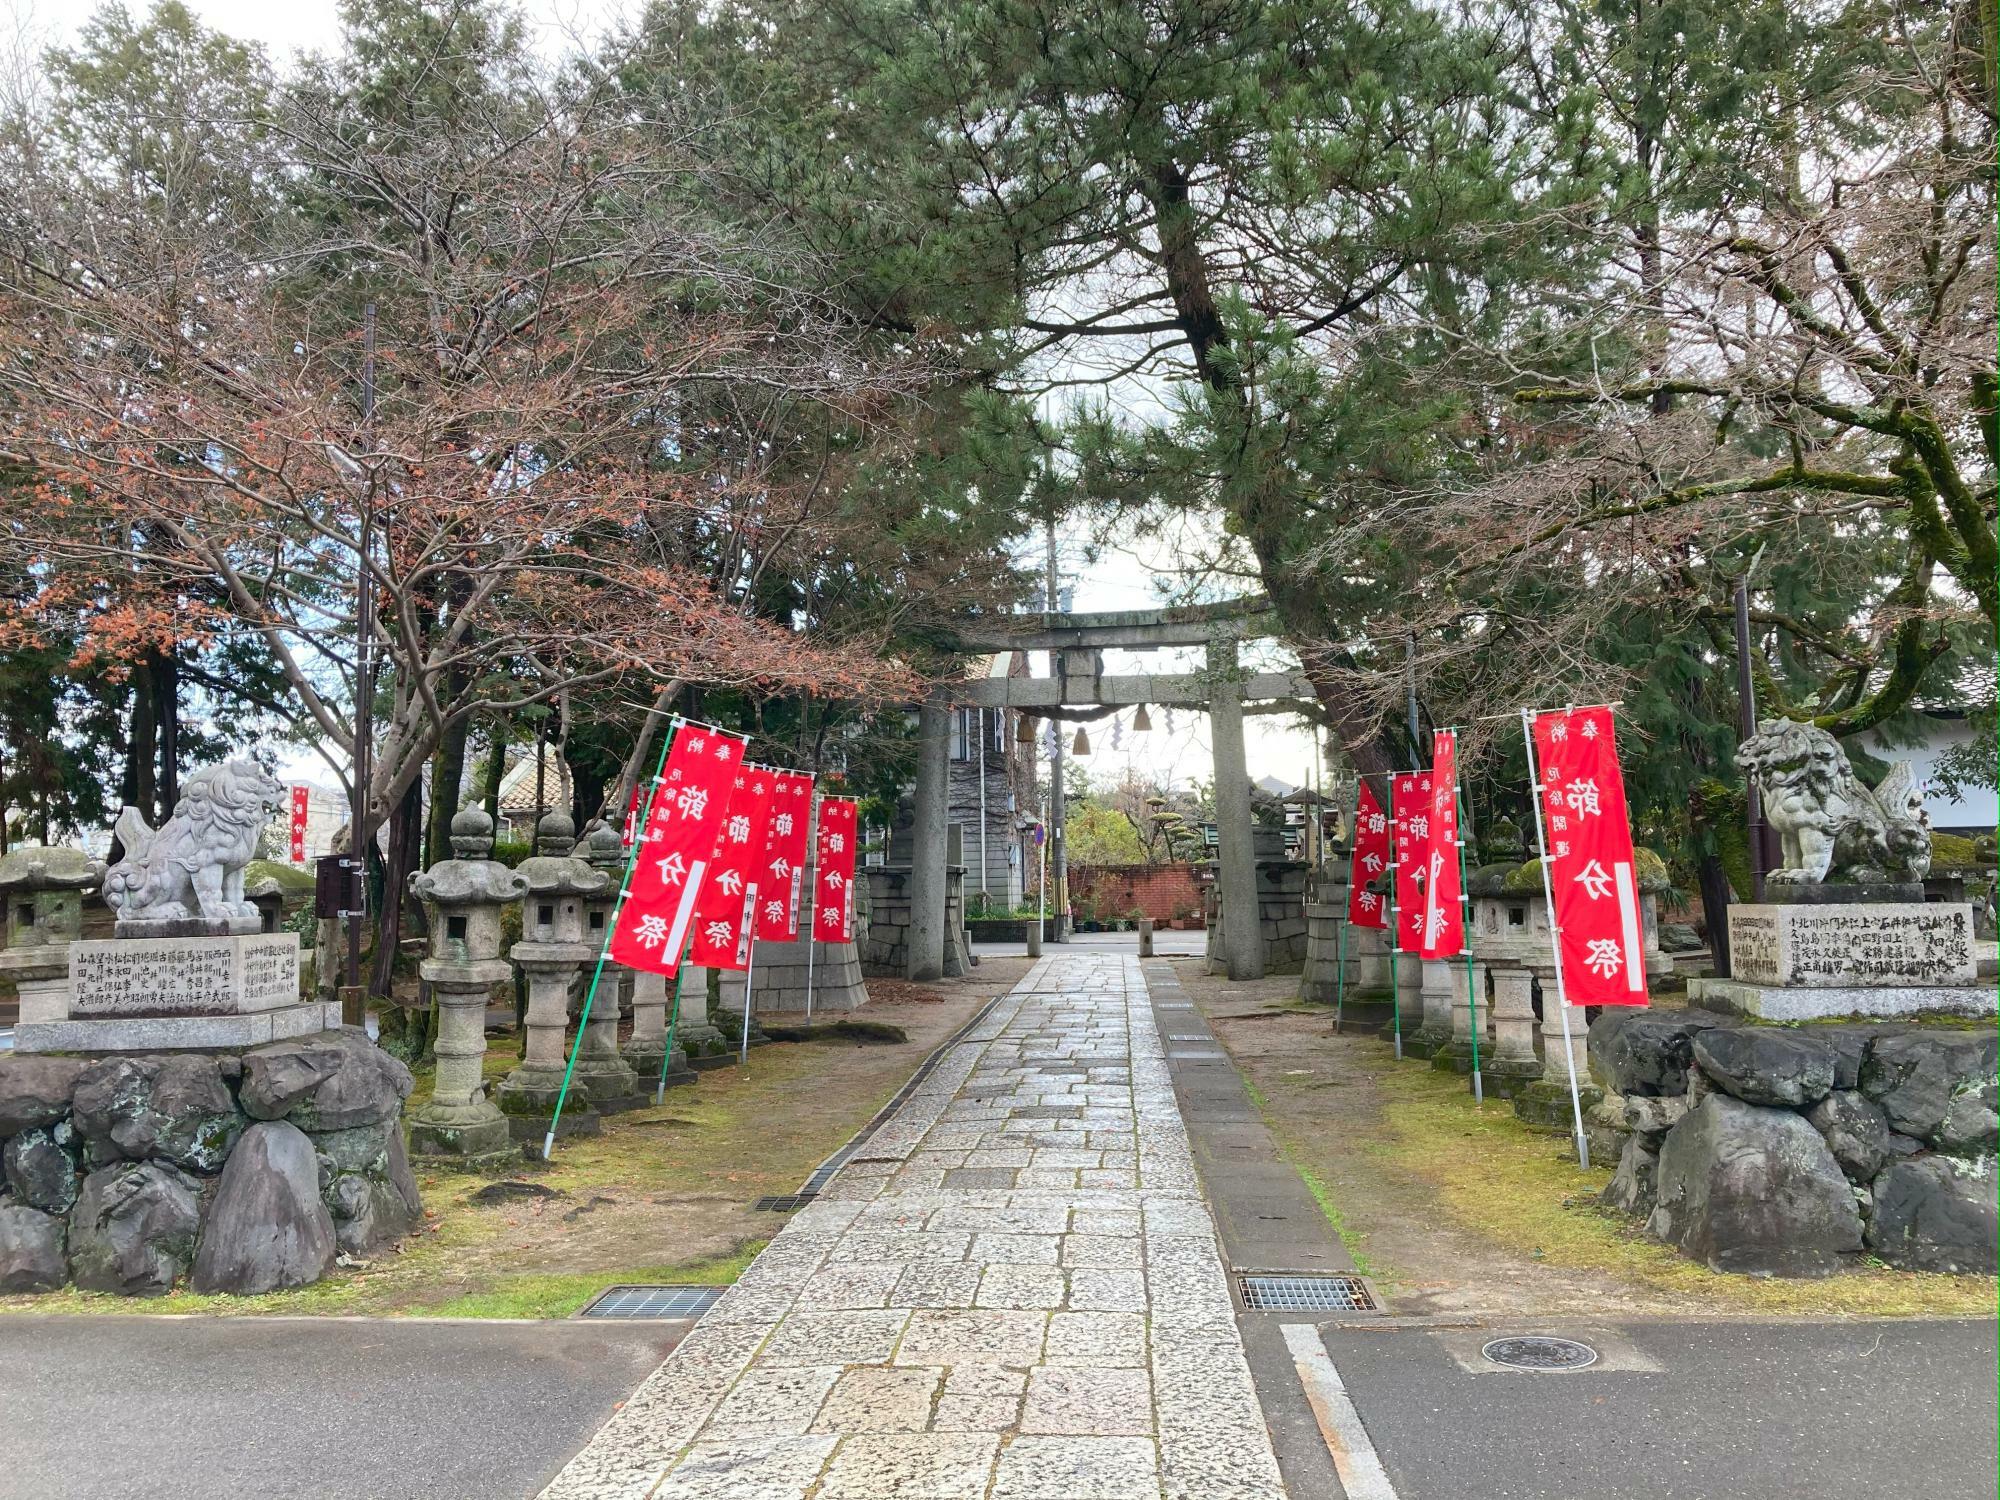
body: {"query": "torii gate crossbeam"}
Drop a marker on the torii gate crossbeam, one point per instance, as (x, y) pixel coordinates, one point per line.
(1077, 642)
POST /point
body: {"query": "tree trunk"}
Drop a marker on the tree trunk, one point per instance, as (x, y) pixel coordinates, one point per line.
(1713, 880)
(166, 675)
(496, 771)
(139, 786)
(399, 862)
(447, 783)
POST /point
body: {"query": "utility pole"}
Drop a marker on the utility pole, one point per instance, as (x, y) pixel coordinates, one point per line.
(364, 680)
(1410, 692)
(1058, 846)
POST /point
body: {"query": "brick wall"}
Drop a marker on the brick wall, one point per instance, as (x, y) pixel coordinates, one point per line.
(1161, 892)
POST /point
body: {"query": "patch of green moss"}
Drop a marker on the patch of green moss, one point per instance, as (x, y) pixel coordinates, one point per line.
(560, 1296)
(1950, 852)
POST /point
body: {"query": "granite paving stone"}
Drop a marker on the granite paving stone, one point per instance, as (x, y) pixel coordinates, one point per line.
(1016, 1295)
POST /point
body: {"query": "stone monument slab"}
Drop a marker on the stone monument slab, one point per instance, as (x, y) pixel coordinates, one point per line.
(184, 976)
(1853, 945)
(163, 994)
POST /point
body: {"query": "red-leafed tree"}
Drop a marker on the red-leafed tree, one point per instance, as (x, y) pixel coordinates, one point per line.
(185, 397)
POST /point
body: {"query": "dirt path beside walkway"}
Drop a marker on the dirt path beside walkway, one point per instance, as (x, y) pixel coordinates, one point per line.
(1457, 1210)
(663, 1194)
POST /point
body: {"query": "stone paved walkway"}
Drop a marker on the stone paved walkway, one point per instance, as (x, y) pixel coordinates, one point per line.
(1012, 1292)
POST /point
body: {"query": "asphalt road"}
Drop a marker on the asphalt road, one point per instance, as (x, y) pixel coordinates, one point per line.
(1728, 1411)
(285, 1409)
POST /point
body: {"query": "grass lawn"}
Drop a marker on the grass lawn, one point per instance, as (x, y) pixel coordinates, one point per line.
(662, 1195)
(1456, 1208)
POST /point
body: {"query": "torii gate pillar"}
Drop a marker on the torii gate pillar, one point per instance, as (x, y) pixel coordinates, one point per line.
(927, 841)
(1236, 862)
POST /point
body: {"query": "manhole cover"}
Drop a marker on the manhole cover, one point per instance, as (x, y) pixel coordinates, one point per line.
(1537, 1351)
(1304, 1294)
(653, 1302)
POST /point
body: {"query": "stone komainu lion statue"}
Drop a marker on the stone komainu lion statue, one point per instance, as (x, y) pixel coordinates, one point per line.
(1830, 825)
(192, 866)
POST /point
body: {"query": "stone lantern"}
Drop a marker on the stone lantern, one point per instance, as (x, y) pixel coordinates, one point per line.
(553, 949)
(43, 889)
(465, 895)
(601, 1074)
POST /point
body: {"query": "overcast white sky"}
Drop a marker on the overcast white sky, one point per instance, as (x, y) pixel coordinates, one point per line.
(1121, 576)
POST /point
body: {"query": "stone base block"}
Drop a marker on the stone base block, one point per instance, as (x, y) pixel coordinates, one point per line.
(527, 1096)
(1456, 1057)
(712, 1061)
(1777, 1002)
(645, 1063)
(479, 1146)
(1362, 1016)
(1546, 1106)
(1508, 1078)
(1424, 1043)
(702, 1040)
(178, 1033)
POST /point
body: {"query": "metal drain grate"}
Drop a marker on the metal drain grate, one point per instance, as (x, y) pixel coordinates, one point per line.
(1536, 1351)
(1195, 1054)
(1304, 1294)
(653, 1302)
(1191, 1036)
(783, 1203)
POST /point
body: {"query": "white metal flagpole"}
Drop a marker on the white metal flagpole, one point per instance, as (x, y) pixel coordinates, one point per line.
(749, 974)
(811, 943)
(1555, 943)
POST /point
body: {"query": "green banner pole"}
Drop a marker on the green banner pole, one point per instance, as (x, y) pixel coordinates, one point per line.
(1465, 928)
(673, 1026)
(611, 926)
(1340, 944)
(1340, 976)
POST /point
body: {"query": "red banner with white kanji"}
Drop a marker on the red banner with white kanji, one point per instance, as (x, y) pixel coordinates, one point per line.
(1366, 908)
(1444, 916)
(833, 869)
(1592, 873)
(1410, 822)
(725, 914)
(785, 835)
(631, 829)
(677, 844)
(301, 808)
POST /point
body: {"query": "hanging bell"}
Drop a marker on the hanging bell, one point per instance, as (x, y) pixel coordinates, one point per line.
(1082, 745)
(1140, 723)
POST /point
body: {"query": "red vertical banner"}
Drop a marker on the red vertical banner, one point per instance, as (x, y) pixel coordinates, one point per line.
(1593, 876)
(1365, 908)
(631, 828)
(1410, 800)
(1444, 916)
(677, 845)
(301, 809)
(726, 913)
(833, 874)
(783, 875)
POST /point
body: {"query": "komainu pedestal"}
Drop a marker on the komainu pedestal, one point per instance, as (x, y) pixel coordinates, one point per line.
(168, 994)
(1802, 962)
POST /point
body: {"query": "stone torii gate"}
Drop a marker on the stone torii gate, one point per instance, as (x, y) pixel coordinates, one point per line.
(1222, 689)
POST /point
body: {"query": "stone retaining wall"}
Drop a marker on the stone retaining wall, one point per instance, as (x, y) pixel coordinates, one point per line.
(238, 1172)
(1794, 1151)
